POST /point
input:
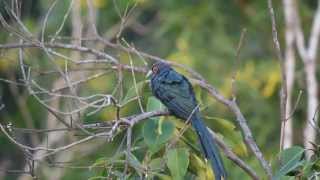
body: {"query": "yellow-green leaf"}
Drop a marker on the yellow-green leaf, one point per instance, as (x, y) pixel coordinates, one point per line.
(178, 162)
(231, 135)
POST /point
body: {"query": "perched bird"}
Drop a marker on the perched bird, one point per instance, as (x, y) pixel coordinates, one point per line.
(176, 93)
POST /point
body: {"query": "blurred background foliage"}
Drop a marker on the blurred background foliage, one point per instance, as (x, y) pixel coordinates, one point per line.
(201, 34)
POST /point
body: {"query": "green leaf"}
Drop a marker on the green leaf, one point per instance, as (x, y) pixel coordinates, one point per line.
(156, 132)
(290, 159)
(156, 164)
(97, 177)
(154, 104)
(198, 92)
(232, 136)
(163, 176)
(135, 163)
(200, 167)
(177, 162)
(104, 161)
(309, 168)
(99, 162)
(316, 165)
(155, 139)
(132, 92)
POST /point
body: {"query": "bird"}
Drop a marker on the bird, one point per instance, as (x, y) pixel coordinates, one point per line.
(176, 92)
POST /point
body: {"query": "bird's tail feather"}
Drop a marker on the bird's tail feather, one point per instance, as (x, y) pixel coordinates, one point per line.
(209, 147)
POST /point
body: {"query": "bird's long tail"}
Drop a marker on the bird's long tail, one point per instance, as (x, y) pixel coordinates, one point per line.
(209, 147)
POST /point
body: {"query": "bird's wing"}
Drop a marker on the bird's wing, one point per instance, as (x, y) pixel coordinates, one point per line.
(172, 77)
(176, 92)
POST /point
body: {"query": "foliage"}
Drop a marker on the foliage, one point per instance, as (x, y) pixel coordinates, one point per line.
(292, 163)
(202, 35)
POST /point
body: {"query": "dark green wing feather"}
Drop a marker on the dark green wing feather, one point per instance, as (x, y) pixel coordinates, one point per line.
(177, 95)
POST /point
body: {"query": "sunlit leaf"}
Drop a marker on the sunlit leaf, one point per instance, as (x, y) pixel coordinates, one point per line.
(231, 135)
(97, 177)
(177, 162)
(6, 64)
(198, 92)
(200, 167)
(273, 79)
(99, 162)
(154, 104)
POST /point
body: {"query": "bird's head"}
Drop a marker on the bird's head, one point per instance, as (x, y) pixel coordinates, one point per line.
(158, 68)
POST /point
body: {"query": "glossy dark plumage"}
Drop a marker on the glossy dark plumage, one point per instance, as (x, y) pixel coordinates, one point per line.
(176, 93)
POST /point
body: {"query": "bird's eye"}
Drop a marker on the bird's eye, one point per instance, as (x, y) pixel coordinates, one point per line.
(155, 69)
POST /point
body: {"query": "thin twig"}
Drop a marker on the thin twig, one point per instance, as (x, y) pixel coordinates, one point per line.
(236, 64)
(295, 105)
(283, 91)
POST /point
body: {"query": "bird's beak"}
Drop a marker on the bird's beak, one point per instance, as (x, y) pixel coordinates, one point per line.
(149, 74)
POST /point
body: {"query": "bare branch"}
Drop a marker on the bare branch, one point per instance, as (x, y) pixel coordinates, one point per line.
(315, 34)
(283, 91)
(286, 136)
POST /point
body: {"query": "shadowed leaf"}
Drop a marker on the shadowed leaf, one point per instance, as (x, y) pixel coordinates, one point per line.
(290, 159)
